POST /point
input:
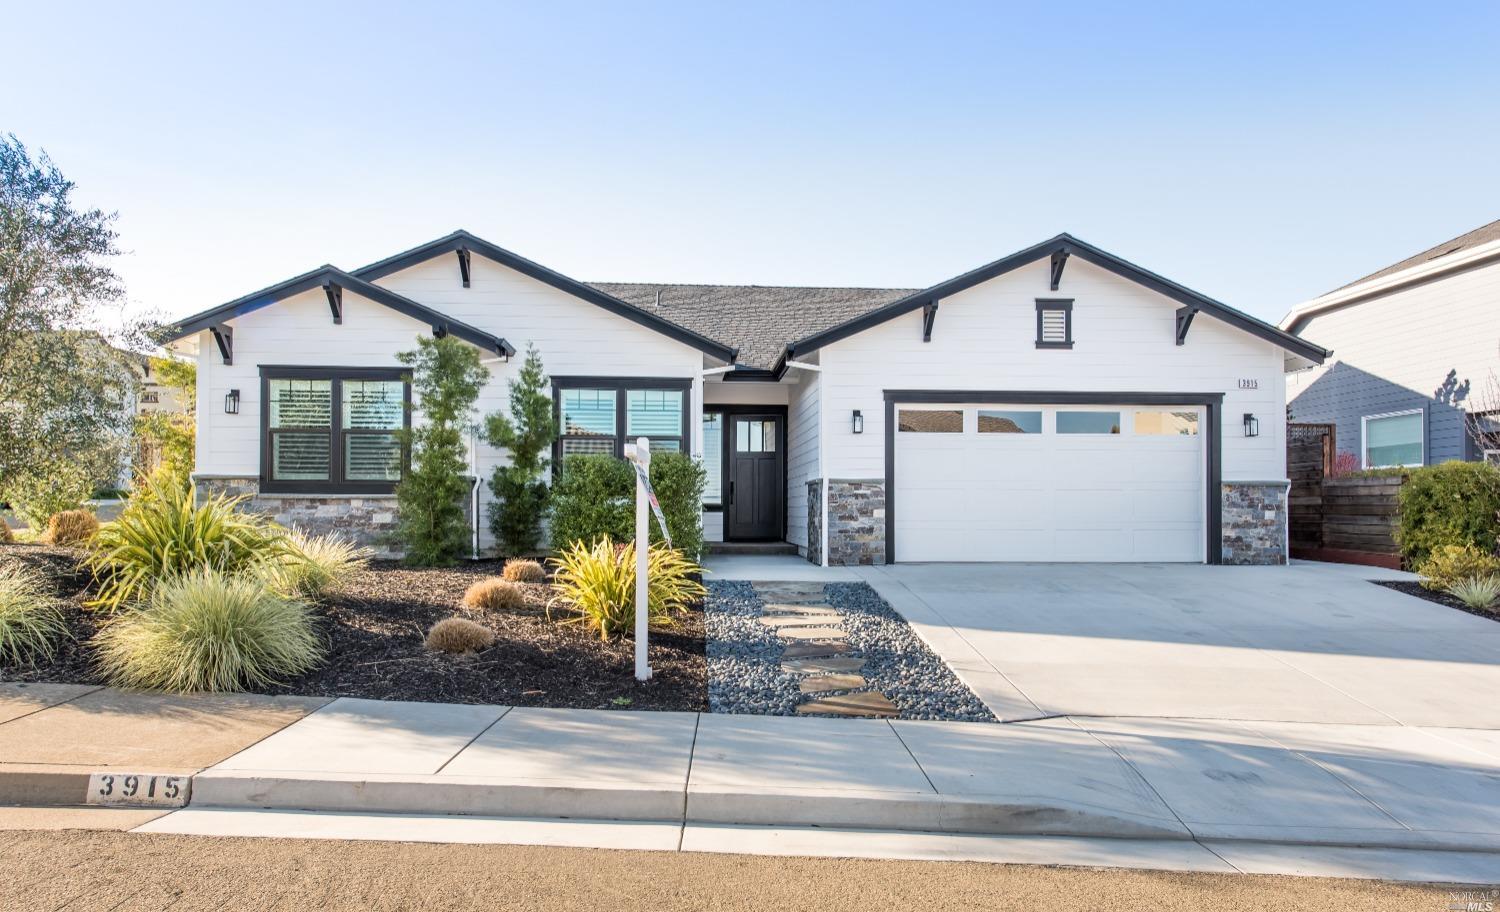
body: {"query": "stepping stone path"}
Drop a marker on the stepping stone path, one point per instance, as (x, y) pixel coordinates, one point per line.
(816, 646)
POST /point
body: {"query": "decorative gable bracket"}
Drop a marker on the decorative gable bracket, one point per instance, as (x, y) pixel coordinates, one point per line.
(1184, 320)
(335, 302)
(224, 338)
(1059, 260)
(463, 264)
(929, 316)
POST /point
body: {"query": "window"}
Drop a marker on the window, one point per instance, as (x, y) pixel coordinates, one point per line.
(1003, 422)
(754, 436)
(599, 415)
(1167, 424)
(930, 421)
(333, 429)
(1054, 323)
(713, 458)
(1088, 422)
(1394, 439)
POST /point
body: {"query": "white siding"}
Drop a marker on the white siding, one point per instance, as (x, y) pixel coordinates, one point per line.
(573, 336)
(984, 339)
(802, 455)
(1397, 351)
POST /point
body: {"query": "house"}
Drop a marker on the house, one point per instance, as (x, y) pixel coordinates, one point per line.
(1059, 404)
(1418, 348)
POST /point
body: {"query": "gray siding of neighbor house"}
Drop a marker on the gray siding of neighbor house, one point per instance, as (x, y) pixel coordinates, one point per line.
(1434, 346)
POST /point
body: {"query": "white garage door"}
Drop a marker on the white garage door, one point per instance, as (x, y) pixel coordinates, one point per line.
(996, 482)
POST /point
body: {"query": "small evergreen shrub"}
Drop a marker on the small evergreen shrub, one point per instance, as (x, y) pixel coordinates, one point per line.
(494, 594)
(164, 533)
(1452, 564)
(1477, 592)
(7, 537)
(1452, 503)
(70, 527)
(526, 434)
(596, 583)
(315, 565)
(524, 571)
(596, 497)
(209, 631)
(459, 635)
(431, 527)
(30, 620)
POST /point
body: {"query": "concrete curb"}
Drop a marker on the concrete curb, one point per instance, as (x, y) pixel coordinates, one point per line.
(47, 785)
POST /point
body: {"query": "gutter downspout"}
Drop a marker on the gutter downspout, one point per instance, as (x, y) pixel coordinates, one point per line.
(474, 491)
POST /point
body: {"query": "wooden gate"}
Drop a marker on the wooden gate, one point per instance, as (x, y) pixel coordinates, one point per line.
(1310, 450)
(1345, 520)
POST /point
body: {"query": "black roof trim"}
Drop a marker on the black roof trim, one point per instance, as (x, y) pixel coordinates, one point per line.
(325, 275)
(1064, 243)
(464, 240)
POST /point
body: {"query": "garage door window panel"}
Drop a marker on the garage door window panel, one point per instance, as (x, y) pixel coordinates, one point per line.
(1001, 421)
(1166, 423)
(1090, 422)
(930, 421)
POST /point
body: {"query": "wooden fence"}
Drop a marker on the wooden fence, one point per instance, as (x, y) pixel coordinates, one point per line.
(1348, 520)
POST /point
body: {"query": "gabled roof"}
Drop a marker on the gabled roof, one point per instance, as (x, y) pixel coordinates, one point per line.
(463, 240)
(760, 319)
(1071, 246)
(329, 275)
(1467, 251)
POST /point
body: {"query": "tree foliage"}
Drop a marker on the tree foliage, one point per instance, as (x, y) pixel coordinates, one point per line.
(520, 488)
(65, 391)
(446, 378)
(171, 434)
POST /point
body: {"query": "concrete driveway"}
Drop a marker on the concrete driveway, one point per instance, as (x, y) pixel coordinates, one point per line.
(1306, 643)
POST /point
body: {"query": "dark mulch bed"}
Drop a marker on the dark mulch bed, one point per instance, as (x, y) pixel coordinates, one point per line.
(375, 626)
(1442, 598)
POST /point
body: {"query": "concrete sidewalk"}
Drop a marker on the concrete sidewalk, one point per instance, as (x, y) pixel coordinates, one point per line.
(1383, 786)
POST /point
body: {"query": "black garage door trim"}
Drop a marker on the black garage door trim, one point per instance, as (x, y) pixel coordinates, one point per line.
(1212, 402)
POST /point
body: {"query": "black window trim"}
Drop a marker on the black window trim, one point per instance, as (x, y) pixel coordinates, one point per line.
(336, 431)
(1043, 305)
(621, 386)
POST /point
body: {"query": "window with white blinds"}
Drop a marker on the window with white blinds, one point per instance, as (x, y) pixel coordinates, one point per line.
(1054, 323)
(599, 415)
(332, 430)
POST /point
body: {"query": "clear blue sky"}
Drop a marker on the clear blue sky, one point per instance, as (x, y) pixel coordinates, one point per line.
(1261, 156)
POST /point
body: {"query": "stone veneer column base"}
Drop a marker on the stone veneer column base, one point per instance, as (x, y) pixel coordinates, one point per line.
(856, 521)
(1254, 522)
(365, 519)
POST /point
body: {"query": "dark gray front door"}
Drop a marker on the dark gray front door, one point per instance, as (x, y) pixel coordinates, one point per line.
(756, 494)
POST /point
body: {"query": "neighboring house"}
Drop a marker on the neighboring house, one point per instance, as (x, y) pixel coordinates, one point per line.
(152, 397)
(1060, 404)
(1417, 348)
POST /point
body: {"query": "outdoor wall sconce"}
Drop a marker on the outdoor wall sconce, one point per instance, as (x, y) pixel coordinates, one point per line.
(232, 402)
(1252, 425)
(859, 422)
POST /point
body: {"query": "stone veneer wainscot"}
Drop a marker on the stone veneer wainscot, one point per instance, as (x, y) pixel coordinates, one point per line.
(1254, 522)
(365, 519)
(856, 521)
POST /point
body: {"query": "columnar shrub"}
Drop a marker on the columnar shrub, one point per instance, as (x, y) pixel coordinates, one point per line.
(520, 488)
(1452, 503)
(446, 379)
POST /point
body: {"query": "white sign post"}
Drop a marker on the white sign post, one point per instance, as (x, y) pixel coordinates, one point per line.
(642, 459)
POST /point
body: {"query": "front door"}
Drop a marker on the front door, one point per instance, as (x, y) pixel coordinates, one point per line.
(756, 496)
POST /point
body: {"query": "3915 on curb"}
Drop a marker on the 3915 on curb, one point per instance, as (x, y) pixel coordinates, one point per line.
(125, 789)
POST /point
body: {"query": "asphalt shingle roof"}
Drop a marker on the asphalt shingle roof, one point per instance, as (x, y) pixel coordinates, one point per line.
(758, 319)
(1481, 235)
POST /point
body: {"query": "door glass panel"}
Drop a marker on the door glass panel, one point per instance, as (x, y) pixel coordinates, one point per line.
(653, 413)
(1088, 422)
(768, 437)
(754, 435)
(992, 421)
(1170, 424)
(931, 421)
(713, 458)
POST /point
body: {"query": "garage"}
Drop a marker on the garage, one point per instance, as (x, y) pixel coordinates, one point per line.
(1075, 481)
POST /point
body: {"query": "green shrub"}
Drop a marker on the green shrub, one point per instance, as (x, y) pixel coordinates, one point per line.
(1477, 592)
(208, 630)
(597, 584)
(70, 527)
(459, 635)
(315, 565)
(39, 493)
(30, 621)
(596, 497)
(163, 533)
(526, 434)
(1453, 503)
(1451, 564)
(524, 571)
